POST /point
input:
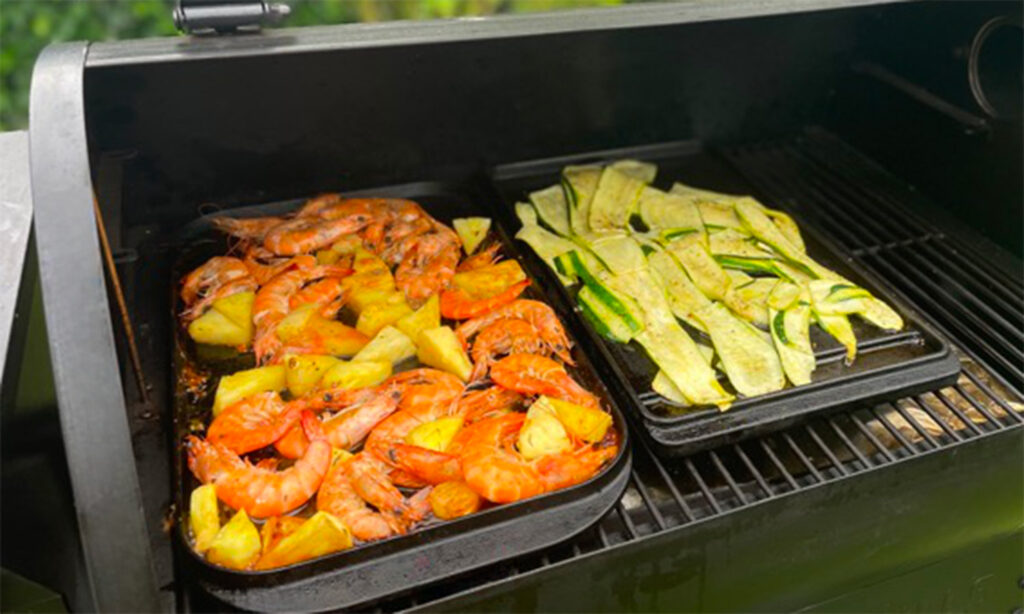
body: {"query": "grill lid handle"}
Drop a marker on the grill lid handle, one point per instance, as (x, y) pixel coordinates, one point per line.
(226, 16)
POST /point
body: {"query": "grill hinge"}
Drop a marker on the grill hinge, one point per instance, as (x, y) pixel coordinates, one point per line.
(226, 16)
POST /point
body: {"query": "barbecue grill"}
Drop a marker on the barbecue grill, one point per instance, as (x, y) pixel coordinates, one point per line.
(890, 129)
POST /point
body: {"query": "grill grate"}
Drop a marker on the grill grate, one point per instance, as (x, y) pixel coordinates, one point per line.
(865, 210)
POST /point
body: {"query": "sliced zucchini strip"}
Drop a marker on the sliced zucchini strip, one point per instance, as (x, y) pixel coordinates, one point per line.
(614, 201)
(747, 357)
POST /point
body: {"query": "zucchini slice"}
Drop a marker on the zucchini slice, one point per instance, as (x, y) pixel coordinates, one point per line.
(614, 201)
(579, 184)
(662, 384)
(706, 273)
(747, 357)
(881, 315)
(552, 208)
(669, 214)
(603, 318)
(729, 242)
(619, 252)
(719, 215)
(471, 231)
(839, 327)
(546, 244)
(830, 297)
(750, 300)
(683, 296)
(620, 303)
(788, 228)
(790, 315)
(642, 171)
(678, 356)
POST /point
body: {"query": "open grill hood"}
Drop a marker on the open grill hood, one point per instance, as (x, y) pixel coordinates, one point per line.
(844, 116)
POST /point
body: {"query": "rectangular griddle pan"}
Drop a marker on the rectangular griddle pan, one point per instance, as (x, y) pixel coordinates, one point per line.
(432, 553)
(889, 364)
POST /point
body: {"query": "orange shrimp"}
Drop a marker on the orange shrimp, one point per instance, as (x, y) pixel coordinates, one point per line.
(338, 497)
(428, 267)
(273, 302)
(316, 205)
(510, 336)
(211, 275)
(260, 491)
(426, 395)
(253, 423)
(245, 284)
(493, 468)
(305, 234)
(363, 410)
(484, 257)
(396, 239)
(368, 477)
(487, 403)
(264, 265)
(249, 229)
(456, 304)
(538, 314)
(534, 374)
(328, 293)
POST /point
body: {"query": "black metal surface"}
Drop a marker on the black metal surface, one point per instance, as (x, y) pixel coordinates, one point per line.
(433, 552)
(888, 365)
(97, 440)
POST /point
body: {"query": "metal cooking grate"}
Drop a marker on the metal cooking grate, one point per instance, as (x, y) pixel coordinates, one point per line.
(845, 195)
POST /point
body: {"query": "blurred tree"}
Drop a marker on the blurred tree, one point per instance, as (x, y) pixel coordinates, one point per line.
(26, 26)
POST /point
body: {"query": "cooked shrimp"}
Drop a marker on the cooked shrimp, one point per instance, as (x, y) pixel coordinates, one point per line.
(249, 229)
(428, 267)
(369, 478)
(211, 275)
(260, 491)
(456, 304)
(338, 497)
(349, 426)
(314, 206)
(533, 374)
(328, 294)
(273, 302)
(253, 423)
(484, 257)
(493, 468)
(510, 336)
(487, 403)
(426, 395)
(538, 314)
(264, 265)
(245, 284)
(305, 234)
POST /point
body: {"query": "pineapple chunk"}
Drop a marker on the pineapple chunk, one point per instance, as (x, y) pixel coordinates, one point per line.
(365, 261)
(372, 292)
(356, 374)
(305, 372)
(321, 534)
(436, 435)
(277, 528)
(542, 432)
(376, 316)
(237, 308)
(215, 328)
(427, 316)
(237, 544)
(489, 280)
(586, 423)
(204, 516)
(327, 256)
(471, 231)
(332, 337)
(237, 386)
(440, 348)
(295, 322)
(390, 345)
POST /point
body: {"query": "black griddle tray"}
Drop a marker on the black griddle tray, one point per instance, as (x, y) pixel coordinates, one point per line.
(437, 551)
(888, 365)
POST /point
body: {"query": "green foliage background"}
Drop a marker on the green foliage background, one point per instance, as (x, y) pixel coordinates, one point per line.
(26, 26)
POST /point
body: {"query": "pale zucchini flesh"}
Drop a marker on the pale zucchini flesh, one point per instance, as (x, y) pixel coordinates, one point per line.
(672, 215)
(552, 209)
(702, 268)
(614, 201)
(791, 334)
(641, 171)
(683, 295)
(748, 359)
(579, 184)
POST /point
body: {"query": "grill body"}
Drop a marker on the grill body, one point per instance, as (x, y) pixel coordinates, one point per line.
(164, 131)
